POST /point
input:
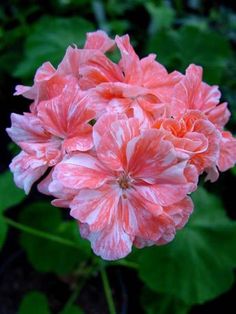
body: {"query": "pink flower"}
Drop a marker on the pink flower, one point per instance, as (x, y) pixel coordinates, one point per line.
(50, 82)
(127, 178)
(127, 190)
(227, 158)
(192, 93)
(135, 90)
(60, 126)
(195, 136)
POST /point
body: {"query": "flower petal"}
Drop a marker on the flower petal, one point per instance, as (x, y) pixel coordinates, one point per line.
(81, 171)
(112, 147)
(227, 158)
(112, 242)
(27, 169)
(66, 115)
(99, 40)
(149, 154)
(96, 207)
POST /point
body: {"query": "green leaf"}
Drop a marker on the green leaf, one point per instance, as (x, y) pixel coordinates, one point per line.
(34, 302)
(10, 194)
(198, 265)
(191, 44)
(206, 48)
(233, 170)
(165, 44)
(46, 255)
(162, 17)
(3, 231)
(73, 309)
(162, 304)
(48, 40)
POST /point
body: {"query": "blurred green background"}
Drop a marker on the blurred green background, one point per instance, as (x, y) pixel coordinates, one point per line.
(45, 267)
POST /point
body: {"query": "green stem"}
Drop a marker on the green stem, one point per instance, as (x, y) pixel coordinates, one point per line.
(125, 264)
(86, 274)
(107, 290)
(39, 233)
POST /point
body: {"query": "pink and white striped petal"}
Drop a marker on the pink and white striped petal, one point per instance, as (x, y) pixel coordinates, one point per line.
(81, 171)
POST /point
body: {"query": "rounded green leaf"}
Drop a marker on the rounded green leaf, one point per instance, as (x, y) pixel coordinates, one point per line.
(44, 254)
(10, 194)
(34, 303)
(198, 265)
(73, 309)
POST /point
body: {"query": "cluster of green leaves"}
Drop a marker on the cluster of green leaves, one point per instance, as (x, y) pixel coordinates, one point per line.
(198, 265)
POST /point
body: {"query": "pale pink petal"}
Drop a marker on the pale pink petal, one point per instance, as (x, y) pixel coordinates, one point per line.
(27, 169)
(219, 115)
(112, 147)
(129, 63)
(63, 195)
(27, 128)
(23, 90)
(140, 217)
(43, 186)
(67, 116)
(180, 212)
(209, 157)
(70, 64)
(97, 70)
(96, 207)
(82, 143)
(112, 242)
(81, 171)
(149, 154)
(47, 84)
(165, 194)
(227, 158)
(99, 40)
(192, 93)
(154, 74)
(212, 174)
(103, 124)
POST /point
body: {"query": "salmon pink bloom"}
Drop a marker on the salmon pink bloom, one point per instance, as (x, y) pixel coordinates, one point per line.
(135, 90)
(127, 190)
(191, 93)
(50, 82)
(227, 158)
(195, 136)
(123, 144)
(60, 126)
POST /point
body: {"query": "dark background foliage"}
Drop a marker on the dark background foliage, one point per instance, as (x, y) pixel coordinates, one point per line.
(45, 267)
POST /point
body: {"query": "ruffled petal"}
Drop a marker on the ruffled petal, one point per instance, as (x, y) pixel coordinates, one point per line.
(27, 169)
(66, 115)
(96, 207)
(129, 63)
(81, 171)
(112, 242)
(99, 40)
(149, 154)
(112, 147)
(227, 158)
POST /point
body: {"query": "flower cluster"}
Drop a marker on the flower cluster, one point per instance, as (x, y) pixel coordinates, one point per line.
(120, 144)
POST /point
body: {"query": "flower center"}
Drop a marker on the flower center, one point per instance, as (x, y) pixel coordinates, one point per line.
(124, 181)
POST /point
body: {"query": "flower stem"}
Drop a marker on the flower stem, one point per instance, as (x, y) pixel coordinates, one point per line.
(107, 290)
(125, 263)
(72, 299)
(39, 233)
